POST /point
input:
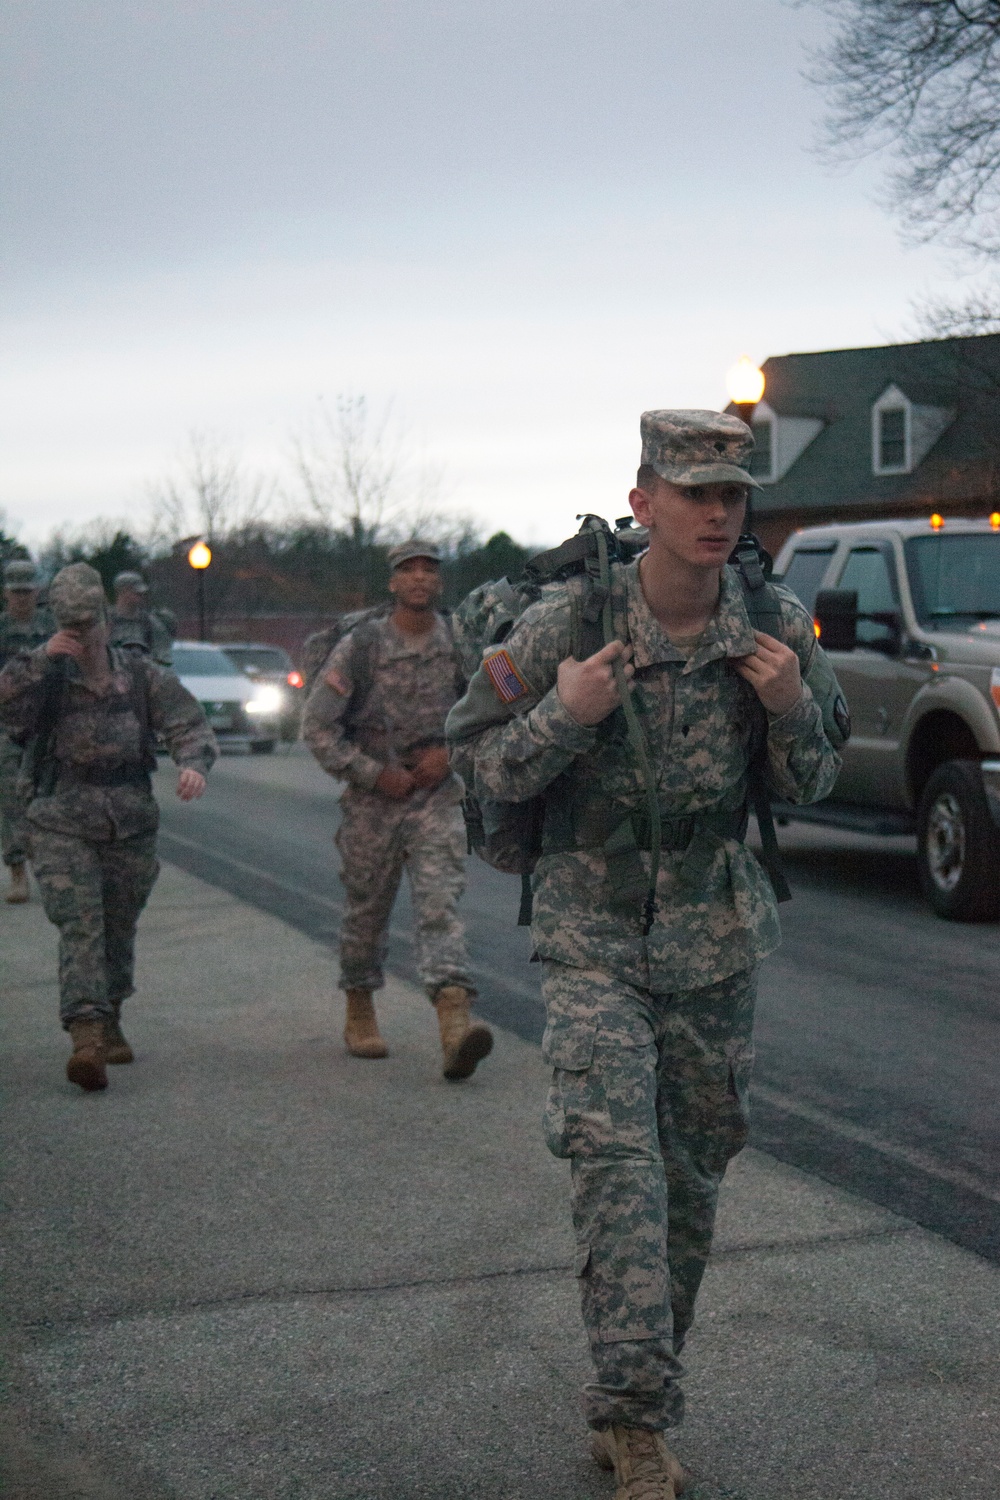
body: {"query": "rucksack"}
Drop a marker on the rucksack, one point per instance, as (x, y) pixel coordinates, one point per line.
(317, 647)
(362, 623)
(508, 835)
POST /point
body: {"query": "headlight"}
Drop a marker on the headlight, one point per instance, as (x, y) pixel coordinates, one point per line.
(266, 700)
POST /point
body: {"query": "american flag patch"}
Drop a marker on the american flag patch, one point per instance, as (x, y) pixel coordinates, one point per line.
(508, 684)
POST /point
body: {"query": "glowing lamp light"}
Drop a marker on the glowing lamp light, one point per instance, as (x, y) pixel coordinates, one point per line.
(200, 556)
(936, 521)
(296, 679)
(995, 520)
(744, 382)
(816, 629)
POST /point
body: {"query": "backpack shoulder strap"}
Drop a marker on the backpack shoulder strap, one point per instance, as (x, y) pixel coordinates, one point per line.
(139, 693)
(365, 639)
(760, 597)
(763, 605)
(41, 750)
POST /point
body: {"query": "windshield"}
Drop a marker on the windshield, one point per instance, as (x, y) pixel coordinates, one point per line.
(955, 579)
(204, 662)
(259, 658)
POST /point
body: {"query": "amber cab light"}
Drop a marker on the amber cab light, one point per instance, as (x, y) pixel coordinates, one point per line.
(295, 679)
(816, 628)
(995, 520)
(937, 521)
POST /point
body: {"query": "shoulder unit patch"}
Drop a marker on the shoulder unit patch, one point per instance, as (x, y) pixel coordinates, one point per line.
(508, 684)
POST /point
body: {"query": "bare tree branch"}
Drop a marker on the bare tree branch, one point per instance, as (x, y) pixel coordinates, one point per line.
(211, 493)
(359, 474)
(977, 313)
(922, 77)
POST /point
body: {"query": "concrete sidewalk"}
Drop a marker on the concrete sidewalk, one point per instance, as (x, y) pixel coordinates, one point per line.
(256, 1268)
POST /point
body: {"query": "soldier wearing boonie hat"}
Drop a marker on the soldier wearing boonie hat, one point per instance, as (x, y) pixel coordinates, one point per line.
(92, 714)
(24, 624)
(375, 719)
(650, 1007)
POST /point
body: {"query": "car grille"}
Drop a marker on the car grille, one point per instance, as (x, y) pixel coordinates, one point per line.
(227, 718)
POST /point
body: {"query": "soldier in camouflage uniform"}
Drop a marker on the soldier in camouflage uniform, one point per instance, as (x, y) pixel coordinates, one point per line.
(89, 713)
(134, 626)
(375, 719)
(650, 1036)
(23, 625)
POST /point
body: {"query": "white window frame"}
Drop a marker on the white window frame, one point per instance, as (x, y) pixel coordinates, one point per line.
(892, 399)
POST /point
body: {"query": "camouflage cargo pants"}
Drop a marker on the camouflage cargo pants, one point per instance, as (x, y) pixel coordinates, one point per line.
(94, 892)
(12, 806)
(377, 840)
(649, 1102)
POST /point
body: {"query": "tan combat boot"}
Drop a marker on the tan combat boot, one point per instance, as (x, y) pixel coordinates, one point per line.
(19, 889)
(116, 1048)
(463, 1045)
(644, 1466)
(361, 1034)
(86, 1066)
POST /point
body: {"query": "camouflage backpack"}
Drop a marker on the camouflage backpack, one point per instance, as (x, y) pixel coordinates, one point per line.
(317, 647)
(362, 623)
(508, 835)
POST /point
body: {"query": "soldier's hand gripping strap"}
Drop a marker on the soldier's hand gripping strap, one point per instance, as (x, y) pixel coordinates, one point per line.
(636, 737)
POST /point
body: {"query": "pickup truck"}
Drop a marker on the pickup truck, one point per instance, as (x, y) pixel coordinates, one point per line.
(909, 613)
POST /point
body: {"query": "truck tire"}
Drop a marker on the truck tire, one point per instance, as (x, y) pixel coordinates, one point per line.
(262, 747)
(958, 845)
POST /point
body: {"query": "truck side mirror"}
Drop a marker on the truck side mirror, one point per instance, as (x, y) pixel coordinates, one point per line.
(836, 617)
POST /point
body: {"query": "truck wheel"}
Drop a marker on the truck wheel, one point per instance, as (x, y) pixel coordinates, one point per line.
(958, 845)
(261, 747)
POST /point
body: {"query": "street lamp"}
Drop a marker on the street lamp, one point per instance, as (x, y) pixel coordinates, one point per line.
(745, 384)
(199, 558)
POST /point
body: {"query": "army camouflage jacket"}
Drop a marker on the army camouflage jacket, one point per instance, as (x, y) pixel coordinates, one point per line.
(144, 630)
(697, 714)
(414, 682)
(98, 734)
(17, 636)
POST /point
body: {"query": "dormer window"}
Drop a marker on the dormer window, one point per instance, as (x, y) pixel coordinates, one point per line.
(779, 442)
(762, 458)
(904, 431)
(891, 456)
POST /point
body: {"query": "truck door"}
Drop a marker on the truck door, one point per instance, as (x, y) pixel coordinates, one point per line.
(878, 685)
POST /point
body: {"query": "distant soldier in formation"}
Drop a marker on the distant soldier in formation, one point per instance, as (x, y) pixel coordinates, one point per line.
(134, 626)
(89, 714)
(375, 719)
(23, 626)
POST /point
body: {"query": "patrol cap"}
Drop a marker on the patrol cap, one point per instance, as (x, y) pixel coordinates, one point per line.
(130, 580)
(20, 575)
(76, 595)
(697, 447)
(405, 550)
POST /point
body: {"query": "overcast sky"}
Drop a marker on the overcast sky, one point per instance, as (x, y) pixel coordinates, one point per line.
(521, 222)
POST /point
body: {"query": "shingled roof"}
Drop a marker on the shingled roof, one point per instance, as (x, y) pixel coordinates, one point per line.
(957, 378)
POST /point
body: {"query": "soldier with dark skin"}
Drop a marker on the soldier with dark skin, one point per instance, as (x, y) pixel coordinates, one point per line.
(23, 625)
(401, 806)
(88, 712)
(650, 1018)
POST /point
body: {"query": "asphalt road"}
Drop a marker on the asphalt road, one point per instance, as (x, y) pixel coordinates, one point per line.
(878, 1026)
